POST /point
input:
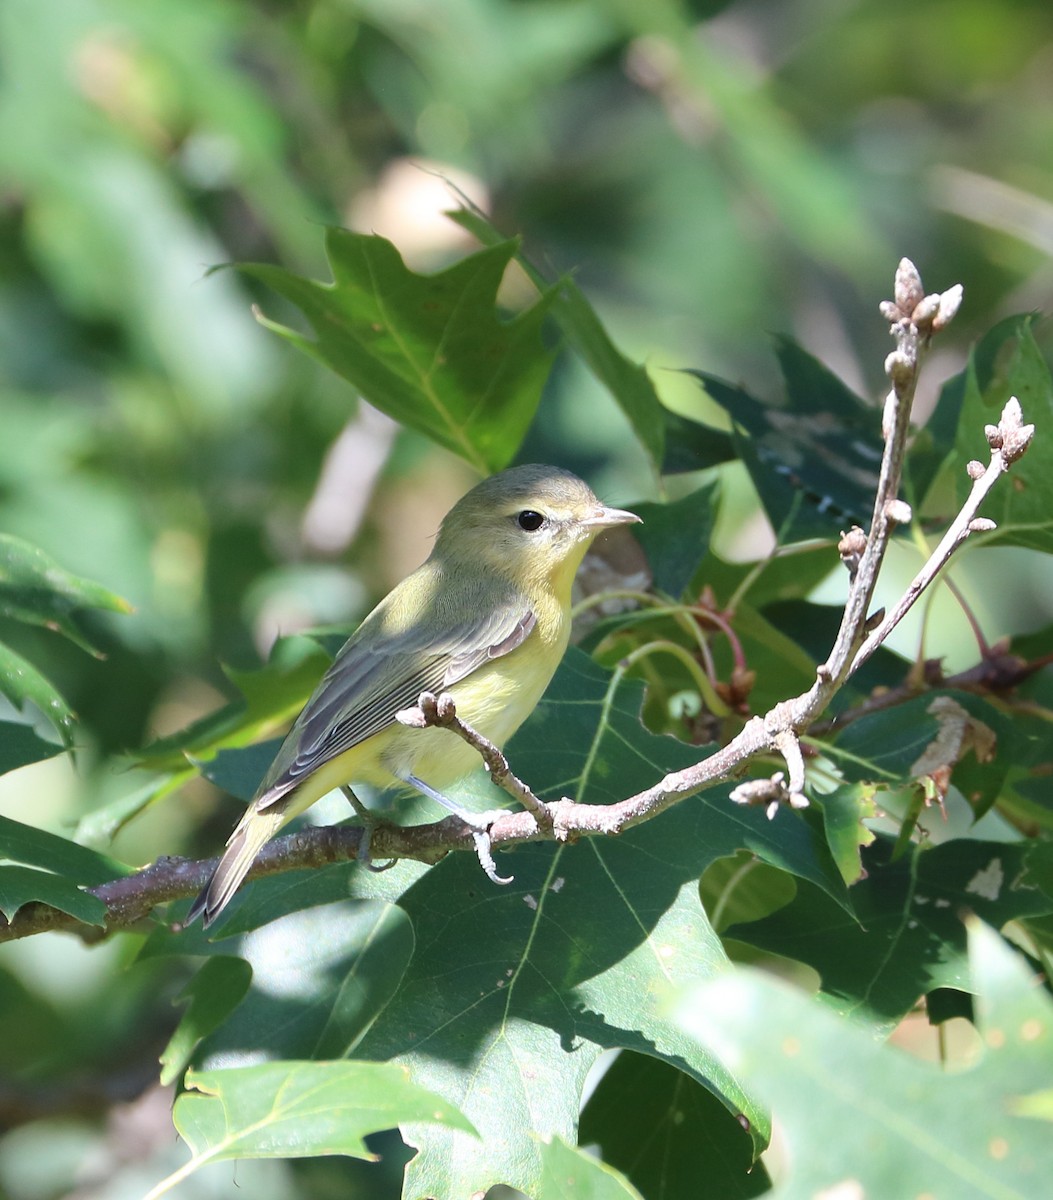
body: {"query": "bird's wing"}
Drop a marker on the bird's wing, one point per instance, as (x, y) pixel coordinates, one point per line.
(376, 675)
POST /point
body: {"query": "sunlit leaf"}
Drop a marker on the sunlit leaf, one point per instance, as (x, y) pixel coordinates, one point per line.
(429, 350)
(864, 1119)
(20, 682)
(298, 1110)
(568, 1174)
(628, 382)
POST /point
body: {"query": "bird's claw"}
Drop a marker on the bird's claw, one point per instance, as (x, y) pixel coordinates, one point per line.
(368, 825)
(484, 853)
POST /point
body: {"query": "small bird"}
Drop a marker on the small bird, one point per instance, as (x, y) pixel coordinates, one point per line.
(485, 618)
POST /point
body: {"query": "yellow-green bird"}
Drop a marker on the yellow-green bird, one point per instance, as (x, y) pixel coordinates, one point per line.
(485, 618)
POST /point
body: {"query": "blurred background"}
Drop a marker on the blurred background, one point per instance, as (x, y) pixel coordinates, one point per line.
(709, 172)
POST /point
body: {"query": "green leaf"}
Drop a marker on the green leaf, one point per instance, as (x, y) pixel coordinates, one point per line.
(37, 848)
(1006, 363)
(581, 951)
(814, 458)
(692, 445)
(297, 1110)
(341, 963)
(666, 1132)
(628, 382)
(861, 1118)
(270, 698)
(100, 826)
(568, 1174)
(676, 536)
(844, 810)
(24, 885)
(931, 448)
(742, 888)
(915, 739)
(20, 681)
(429, 350)
(214, 992)
(909, 937)
(35, 589)
(20, 745)
(579, 955)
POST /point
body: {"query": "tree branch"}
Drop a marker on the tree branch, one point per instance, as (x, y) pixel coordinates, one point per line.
(914, 319)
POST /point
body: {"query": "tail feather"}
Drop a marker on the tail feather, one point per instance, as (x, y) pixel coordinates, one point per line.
(248, 839)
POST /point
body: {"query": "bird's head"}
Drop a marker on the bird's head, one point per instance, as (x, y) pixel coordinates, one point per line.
(532, 524)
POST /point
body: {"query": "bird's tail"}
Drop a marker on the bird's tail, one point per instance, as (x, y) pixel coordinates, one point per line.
(253, 831)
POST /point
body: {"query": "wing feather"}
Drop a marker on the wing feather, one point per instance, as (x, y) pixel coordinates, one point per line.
(381, 670)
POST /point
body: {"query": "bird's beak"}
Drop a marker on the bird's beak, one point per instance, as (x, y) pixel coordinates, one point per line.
(606, 518)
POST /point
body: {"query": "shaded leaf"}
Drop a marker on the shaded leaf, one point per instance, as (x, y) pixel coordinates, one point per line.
(429, 350)
(35, 589)
(863, 1119)
(23, 885)
(37, 848)
(320, 976)
(952, 730)
(692, 445)
(20, 745)
(813, 458)
(213, 994)
(676, 537)
(909, 937)
(666, 1132)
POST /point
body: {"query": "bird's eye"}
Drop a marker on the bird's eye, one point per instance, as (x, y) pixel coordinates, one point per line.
(530, 520)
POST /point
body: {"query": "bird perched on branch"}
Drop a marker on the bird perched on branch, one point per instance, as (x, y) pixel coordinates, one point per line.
(486, 618)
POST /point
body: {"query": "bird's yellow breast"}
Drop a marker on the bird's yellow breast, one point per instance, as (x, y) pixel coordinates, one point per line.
(495, 700)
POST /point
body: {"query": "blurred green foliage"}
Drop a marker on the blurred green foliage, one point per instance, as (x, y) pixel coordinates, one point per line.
(704, 172)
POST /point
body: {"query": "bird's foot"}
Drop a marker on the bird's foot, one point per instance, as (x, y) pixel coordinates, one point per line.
(479, 823)
(368, 825)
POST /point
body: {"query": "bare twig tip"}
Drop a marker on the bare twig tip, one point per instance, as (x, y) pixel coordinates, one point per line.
(898, 512)
(925, 312)
(950, 302)
(1015, 436)
(908, 288)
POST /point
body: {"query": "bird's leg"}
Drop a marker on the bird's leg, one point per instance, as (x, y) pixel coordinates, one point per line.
(368, 825)
(479, 823)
